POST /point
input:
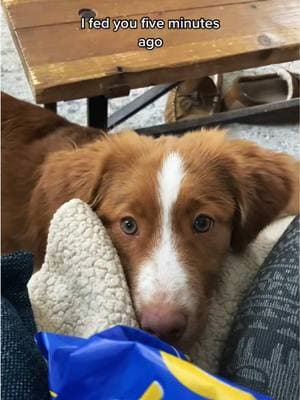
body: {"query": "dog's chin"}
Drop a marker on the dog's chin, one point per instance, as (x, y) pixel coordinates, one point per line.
(192, 334)
(186, 343)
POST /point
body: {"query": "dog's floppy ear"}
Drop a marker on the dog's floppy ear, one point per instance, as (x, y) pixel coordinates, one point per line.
(265, 185)
(71, 174)
(63, 176)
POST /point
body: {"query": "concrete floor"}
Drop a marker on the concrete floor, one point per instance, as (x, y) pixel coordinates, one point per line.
(279, 137)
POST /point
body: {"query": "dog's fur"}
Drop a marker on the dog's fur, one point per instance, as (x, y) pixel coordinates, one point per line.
(163, 184)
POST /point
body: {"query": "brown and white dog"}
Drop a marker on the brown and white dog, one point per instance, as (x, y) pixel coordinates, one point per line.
(174, 207)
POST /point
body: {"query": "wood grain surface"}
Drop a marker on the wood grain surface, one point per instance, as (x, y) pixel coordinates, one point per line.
(64, 62)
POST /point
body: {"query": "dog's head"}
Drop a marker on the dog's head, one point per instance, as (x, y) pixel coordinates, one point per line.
(173, 208)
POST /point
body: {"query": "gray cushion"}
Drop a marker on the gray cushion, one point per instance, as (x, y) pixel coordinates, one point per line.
(263, 348)
(23, 370)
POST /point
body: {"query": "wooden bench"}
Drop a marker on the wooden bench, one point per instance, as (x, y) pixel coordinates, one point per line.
(64, 62)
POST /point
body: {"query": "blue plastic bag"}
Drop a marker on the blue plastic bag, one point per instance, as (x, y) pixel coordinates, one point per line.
(128, 364)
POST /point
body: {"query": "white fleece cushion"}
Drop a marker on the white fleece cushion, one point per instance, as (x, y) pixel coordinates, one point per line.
(81, 287)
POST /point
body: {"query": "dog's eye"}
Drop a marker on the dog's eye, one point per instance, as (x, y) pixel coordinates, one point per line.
(129, 226)
(202, 223)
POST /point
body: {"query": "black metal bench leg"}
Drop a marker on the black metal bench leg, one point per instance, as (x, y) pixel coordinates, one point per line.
(138, 104)
(286, 111)
(97, 112)
(51, 107)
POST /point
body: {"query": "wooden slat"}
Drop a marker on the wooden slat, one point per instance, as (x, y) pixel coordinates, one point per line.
(59, 43)
(64, 62)
(30, 13)
(148, 71)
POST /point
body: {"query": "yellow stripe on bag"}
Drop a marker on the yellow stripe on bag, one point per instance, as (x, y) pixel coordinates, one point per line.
(200, 382)
(153, 392)
(53, 394)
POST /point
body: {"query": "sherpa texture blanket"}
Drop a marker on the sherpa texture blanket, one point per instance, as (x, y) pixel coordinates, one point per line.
(81, 288)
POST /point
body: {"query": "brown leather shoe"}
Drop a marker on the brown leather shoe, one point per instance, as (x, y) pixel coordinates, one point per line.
(194, 98)
(262, 89)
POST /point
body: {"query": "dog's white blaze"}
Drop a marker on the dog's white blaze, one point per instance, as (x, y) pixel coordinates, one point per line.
(162, 275)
